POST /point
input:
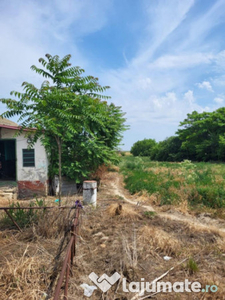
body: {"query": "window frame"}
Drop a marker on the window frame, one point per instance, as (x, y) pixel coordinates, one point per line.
(31, 158)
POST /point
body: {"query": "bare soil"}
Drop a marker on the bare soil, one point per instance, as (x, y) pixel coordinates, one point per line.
(125, 233)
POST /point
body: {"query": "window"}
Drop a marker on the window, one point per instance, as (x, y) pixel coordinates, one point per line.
(28, 158)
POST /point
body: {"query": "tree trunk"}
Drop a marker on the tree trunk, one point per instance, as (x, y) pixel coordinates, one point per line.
(59, 142)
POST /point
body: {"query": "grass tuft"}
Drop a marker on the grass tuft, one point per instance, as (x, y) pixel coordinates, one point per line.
(192, 266)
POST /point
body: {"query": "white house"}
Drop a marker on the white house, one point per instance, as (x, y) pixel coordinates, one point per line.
(27, 167)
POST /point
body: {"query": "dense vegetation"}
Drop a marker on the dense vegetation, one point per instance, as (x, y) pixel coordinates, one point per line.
(200, 138)
(199, 184)
(143, 148)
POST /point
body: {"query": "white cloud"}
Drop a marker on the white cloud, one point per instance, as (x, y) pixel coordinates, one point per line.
(163, 19)
(205, 85)
(183, 61)
(218, 100)
(199, 27)
(144, 83)
(189, 97)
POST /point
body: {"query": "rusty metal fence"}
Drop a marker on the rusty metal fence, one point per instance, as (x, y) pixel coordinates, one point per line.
(71, 247)
(70, 254)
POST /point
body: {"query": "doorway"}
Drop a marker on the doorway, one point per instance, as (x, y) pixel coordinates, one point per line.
(7, 159)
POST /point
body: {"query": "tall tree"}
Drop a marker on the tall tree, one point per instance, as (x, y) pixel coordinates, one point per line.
(67, 107)
(202, 135)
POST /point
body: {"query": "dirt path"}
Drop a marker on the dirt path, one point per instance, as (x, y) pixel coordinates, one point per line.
(204, 221)
(119, 190)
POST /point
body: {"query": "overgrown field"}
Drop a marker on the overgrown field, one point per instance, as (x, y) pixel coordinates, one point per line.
(198, 184)
(114, 236)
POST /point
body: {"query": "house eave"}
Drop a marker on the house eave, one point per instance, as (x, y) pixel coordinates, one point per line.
(16, 127)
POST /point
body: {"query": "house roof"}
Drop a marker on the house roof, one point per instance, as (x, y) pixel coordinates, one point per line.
(6, 122)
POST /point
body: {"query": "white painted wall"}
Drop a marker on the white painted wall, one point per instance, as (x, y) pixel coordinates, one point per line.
(37, 173)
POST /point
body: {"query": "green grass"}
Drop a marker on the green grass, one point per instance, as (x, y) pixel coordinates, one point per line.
(23, 217)
(198, 183)
(192, 266)
(149, 214)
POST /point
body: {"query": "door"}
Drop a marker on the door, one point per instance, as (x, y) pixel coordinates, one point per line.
(7, 159)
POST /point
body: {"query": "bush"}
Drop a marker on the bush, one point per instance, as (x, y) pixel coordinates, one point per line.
(143, 148)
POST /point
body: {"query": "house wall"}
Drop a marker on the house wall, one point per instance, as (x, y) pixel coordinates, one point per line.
(31, 180)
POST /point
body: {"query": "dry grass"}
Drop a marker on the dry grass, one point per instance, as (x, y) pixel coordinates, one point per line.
(218, 179)
(53, 224)
(27, 258)
(130, 251)
(144, 198)
(158, 170)
(221, 246)
(123, 211)
(111, 242)
(26, 276)
(183, 207)
(4, 202)
(159, 240)
(99, 174)
(198, 228)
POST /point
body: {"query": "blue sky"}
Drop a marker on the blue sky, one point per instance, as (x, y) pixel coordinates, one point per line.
(162, 59)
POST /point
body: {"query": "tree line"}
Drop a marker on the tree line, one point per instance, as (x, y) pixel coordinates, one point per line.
(201, 137)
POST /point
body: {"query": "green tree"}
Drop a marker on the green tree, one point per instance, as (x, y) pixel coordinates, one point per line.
(143, 148)
(202, 135)
(70, 109)
(168, 150)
